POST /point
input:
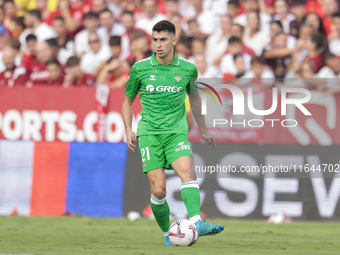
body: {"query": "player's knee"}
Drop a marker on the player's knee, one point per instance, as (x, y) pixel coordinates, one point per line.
(159, 193)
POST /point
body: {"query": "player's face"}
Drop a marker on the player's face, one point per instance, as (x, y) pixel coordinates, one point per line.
(163, 43)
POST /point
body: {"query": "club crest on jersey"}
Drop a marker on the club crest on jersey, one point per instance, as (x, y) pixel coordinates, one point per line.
(177, 78)
(152, 77)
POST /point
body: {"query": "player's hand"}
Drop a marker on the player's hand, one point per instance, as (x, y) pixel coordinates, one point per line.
(131, 139)
(209, 138)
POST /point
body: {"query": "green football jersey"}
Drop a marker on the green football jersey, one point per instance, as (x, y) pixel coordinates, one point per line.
(162, 90)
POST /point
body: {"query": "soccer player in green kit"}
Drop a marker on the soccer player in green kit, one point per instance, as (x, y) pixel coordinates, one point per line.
(163, 80)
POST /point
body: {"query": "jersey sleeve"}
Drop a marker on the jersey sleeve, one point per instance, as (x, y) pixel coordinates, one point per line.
(133, 84)
(192, 87)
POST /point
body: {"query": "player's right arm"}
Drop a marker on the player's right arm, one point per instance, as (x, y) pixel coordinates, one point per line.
(127, 112)
(131, 91)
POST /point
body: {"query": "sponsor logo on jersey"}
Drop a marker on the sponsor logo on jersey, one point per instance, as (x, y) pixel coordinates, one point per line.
(152, 77)
(150, 88)
(182, 146)
(177, 78)
(174, 89)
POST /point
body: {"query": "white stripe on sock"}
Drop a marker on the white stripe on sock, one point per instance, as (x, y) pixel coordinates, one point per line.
(194, 185)
(157, 201)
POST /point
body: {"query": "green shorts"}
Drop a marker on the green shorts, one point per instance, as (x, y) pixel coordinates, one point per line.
(159, 151)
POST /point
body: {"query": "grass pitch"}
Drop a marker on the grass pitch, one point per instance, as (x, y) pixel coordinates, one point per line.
(81, 235)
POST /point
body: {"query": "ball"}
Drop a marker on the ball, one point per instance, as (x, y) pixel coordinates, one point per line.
(183, 233)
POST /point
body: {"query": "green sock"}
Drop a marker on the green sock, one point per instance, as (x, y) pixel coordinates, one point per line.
(161, 210)
(191, 197)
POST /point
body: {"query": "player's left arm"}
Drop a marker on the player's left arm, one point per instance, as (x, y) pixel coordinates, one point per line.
(195, 106)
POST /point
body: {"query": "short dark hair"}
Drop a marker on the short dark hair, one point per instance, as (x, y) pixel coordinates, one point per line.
(106, 10)
(240, 26)
(279, 23)
(31, 37)
(136, 34)
(237, 55)
(52, 42)
(115, 40)
(165, 26)
(234, 39)
(91, 15)
(36, 13)
(336, 15)
(19, 21)
(52, 61)
(59, 18)
(234, 2)
(329, 55)
(298, 3)
(73, 61)
(8, 1)
(257, 60)
(14, 43)
(126, 12)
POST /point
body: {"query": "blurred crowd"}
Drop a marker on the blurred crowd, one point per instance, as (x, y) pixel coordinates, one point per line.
(90, 42)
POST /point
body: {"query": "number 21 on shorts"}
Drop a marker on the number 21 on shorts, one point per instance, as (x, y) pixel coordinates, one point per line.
(145, 151)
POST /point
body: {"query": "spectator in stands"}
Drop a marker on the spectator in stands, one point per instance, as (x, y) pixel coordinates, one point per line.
(227, 62)
(182, 49)
(31, 42)
(238, 31)
(35, 64)
(61, 54)
(307, 70)
(233, 8)
(330, 7)
(152, 17)
(254, 37)
(172, 8)
(178, 21)
(205, 70)
(3, 36)
(316, 45)
(283, 15)
(10, 12)
(259, 75)
(217, 43)
(2, 14)
(115, 73)
(41, 30)
(315, 21)
(117, 7)
(277, 55)
(98, 52)
(305, 32)
(194, 30)
(115, 44)
(73, 14)
(64, 40)
(334, 44)
(332, 68)
(12, 75)
(18, 29)
(46, 15)
(99, 5)
(75, 76)
(56, 73)
(91, 23)
(139, 47)
(107, 21)
(15, 45)
(204, 18)
(299, 11)
(252, 6)
(277, 28)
